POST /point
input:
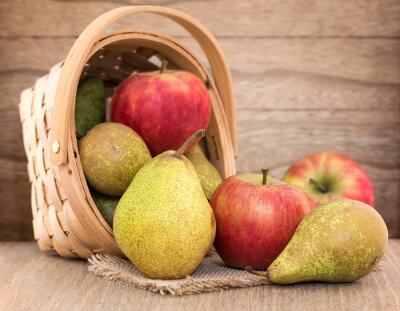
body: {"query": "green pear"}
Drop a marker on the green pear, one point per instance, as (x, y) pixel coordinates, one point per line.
(111, 154)
(340, 241)
(163, 222)
(106, 205)
(208, 174)
(89, 105)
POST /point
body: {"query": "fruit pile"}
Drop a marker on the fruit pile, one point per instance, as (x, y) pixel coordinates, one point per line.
(167, 205)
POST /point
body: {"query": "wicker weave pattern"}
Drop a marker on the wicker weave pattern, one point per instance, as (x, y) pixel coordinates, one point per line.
(65, 218)
(48, 199)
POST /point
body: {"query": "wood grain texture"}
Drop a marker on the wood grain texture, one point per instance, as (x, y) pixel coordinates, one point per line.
(308, 76)
(36, 281)
(275, 139)
(368, 61)
(273, 18)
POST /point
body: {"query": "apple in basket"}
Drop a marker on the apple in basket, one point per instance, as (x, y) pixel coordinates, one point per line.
(256, 216)
(164, 107)
(328, 176)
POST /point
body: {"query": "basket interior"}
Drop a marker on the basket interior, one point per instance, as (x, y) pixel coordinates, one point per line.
(117, 61)
(120, 55)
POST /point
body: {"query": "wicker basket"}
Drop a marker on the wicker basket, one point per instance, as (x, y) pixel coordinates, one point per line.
(65, 218)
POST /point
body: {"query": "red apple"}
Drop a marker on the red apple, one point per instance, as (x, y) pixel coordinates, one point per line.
(327, 176)
(163, 107)
(256, 216)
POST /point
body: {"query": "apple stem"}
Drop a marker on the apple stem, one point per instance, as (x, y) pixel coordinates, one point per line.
(249, 269)
(265, 175)
(164, 64)
(182, 149)
(318, 185)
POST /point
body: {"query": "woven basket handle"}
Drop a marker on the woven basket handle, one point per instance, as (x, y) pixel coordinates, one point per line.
(75, 61)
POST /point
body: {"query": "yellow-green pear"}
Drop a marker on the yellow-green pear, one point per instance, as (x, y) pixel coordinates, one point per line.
(163, 223)
(340, 241)
(208, 174)
(111, 154)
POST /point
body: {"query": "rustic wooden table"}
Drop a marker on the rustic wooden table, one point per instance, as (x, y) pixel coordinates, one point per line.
(30, 280)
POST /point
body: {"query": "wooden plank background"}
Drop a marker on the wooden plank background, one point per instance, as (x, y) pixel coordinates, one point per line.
(309, 75)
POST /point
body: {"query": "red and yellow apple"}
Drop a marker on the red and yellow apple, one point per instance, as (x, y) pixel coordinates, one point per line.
(255, 216)
(327, 176)
(163, 107)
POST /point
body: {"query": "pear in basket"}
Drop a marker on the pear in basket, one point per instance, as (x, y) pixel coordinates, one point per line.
(89, 105)
(111, 154)
(208, 174)
(106, 205)
(163, 222)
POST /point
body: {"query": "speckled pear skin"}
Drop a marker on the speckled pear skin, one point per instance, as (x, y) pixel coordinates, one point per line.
(111, 154)
(208, 174)
(163, 222)
(90, 106)
(340, 241)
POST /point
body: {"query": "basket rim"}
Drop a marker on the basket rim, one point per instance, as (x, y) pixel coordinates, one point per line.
(81, 48)
(149, 37)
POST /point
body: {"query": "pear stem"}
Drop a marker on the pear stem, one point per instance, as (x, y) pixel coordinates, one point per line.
(249, 269)
(182, 149)
(265, 175)
(164, 64)
(318, 185)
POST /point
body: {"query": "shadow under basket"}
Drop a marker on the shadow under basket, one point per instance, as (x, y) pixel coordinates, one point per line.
(65, 218)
